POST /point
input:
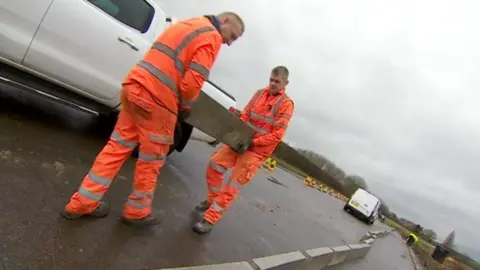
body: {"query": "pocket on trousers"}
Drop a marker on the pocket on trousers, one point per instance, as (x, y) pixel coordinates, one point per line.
(140, 106)
(246, 174)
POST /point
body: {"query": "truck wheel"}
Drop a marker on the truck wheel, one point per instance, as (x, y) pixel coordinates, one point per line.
(171, 150)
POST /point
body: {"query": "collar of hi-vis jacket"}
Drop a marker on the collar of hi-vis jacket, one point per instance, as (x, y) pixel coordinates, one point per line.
(281, 92)
(214, 20)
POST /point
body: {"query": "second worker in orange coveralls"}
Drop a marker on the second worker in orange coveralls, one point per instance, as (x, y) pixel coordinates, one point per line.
(268, 113)
(157, 91)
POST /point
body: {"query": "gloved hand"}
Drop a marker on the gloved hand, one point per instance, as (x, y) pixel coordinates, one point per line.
(182, 115)
(243, 146)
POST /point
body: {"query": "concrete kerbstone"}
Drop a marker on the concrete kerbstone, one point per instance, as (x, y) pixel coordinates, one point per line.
(366, 236)
(318, 258)
(284, 261)
(312, 259)
(380, 233)
(368, 241)
(223, 266)
(358, 251)
(341, 253)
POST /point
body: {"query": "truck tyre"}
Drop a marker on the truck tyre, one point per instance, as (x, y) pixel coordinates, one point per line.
(371, 221)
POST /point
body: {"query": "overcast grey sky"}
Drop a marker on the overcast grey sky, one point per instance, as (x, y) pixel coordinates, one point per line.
(388, 90)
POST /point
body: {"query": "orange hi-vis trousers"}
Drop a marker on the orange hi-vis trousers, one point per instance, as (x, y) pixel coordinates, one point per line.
(141, 121)
(244, 168)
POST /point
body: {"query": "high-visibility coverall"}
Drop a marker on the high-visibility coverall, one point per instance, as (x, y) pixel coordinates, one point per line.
(269, 116)
(166, 80)
(412, 239)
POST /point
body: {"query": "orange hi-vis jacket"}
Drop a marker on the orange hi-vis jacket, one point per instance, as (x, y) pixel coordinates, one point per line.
(269, 115)
(179, 62)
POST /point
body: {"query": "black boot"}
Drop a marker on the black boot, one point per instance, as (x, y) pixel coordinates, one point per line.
(149, 220)
(203, 206)
(102, 210)
(203, 227)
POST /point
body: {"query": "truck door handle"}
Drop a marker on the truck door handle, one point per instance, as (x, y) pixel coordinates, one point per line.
(129, 42)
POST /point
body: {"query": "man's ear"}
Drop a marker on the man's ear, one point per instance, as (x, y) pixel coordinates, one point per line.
(286, 82)
(225, 20)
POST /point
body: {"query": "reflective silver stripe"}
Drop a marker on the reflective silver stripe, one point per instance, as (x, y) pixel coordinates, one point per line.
(254, 99)
(280, 125)
(139, 205)
(256, 96)
(98, 179)
(123, 142)
(257, 129)
(142, 195)
(217, 167)
(93, 196)
(200, 69)
(160, 76)
(217, 207)
(148, 157)
(174, 54)
(164, 49)
(234, 184)
(267, 119)
(214, 189)
(284, 115)
(277, 105)
(191, 36)
(160, 138)
(170, 53)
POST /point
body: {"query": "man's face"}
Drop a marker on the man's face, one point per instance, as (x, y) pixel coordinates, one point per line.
(277, 83)
(230, 30)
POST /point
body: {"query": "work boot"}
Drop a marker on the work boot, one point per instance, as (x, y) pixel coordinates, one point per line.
(149, 220)
(102, 210)
(202, 227)
(203, 206)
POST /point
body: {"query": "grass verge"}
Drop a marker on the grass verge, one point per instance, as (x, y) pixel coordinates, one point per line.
(290, 167)
(424, 250)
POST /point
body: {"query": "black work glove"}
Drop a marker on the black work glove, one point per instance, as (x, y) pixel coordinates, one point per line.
(182, 115)
(243, 146)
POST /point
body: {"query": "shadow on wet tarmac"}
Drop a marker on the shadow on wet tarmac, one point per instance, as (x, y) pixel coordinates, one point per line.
(27, 106)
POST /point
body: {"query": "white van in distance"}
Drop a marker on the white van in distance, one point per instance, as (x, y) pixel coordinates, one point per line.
(363, 205)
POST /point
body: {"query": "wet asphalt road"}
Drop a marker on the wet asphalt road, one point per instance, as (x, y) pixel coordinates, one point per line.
(388, 253)
(43, 157)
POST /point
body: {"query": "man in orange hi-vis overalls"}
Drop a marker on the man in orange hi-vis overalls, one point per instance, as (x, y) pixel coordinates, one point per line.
(157, 91)
(268, 113)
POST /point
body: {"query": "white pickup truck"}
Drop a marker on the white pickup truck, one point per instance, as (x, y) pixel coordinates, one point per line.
(79, 51)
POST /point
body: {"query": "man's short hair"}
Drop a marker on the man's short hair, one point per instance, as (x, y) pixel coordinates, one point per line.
(235, 16)
(280, 70)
